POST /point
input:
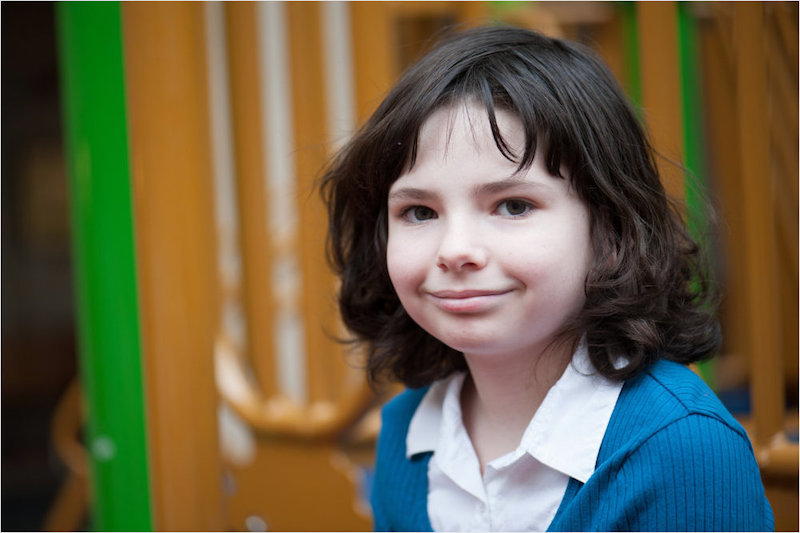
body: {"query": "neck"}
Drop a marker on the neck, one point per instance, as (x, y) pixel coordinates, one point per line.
(501, 396)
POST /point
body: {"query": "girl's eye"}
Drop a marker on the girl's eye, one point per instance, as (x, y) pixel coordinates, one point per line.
(418, 213)
(514, 207)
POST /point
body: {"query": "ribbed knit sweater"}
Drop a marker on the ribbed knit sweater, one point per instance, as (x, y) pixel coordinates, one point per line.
(672, 459)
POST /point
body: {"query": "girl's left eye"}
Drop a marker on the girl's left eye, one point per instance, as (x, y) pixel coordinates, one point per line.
(514, 207)
(418, 213)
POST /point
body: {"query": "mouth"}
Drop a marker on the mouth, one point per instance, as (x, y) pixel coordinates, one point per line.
(467, 301)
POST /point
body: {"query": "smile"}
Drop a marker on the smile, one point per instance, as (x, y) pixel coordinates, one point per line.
(469, 301)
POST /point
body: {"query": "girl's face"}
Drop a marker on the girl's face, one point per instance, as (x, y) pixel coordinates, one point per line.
(489, 261)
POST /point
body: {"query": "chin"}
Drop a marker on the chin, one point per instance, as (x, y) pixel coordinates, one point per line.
(480, 347)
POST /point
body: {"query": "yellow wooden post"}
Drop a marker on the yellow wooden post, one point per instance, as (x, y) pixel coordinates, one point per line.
(473, 13)
(256, 292)
(168, 106)
(719, 86)
(759, 229)
(318, 296)
(661, 96)
(374, 55)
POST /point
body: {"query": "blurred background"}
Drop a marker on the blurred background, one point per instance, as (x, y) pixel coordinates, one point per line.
(167, 312)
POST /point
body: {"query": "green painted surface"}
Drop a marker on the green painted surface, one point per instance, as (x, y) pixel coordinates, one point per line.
(694, 147)
(693, 137)
(503, 8)
(630, 39)
(96, 141)
(692, 119)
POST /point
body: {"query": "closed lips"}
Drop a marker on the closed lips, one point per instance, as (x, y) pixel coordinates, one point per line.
(474, 301)
(462, 295)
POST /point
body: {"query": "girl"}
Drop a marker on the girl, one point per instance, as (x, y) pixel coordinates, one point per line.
(507, 251)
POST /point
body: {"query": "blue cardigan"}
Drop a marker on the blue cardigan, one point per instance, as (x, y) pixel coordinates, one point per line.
(672, 459)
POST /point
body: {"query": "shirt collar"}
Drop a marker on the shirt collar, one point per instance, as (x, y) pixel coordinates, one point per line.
(565, 433)
(568, 428)
(425, 426)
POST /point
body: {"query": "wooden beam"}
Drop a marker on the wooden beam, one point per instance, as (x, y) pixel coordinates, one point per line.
(375, 57)
(766, 374)
(318, 294)
(661, 92)
(168, 110)
(248, 144)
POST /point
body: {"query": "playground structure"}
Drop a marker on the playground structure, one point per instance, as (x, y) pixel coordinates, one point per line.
(215, 396)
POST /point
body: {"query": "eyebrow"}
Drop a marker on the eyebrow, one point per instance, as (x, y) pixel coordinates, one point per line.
(494, 187)
(511, 182)
(410, 193)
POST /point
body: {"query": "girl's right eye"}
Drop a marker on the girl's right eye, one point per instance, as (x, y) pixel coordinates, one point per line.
(418, 213)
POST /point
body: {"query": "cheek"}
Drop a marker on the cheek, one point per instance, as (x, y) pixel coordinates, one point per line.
(582, 259)
(399, 264)
(558, 261)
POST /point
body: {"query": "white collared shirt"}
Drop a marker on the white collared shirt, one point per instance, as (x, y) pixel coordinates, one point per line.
(520, 491)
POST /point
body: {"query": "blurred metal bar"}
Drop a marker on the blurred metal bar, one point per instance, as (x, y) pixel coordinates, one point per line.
(337, 48)
(282, 215)
(314, 392)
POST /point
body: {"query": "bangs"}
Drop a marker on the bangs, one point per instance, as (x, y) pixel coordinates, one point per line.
(500, 80)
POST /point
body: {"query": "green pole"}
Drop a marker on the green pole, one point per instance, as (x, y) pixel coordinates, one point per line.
(498, 9)
(692, 119)
(630, 39)
(694, 144)
(693, 138)
(96, 140)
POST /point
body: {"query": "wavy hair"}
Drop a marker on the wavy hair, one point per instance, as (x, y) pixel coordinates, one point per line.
(647, 294)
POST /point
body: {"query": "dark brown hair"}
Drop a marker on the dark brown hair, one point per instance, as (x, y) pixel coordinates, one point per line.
(647, 295)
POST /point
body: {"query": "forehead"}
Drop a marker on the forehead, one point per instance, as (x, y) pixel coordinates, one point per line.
(459, 138)
(467, 124)
(458, 152)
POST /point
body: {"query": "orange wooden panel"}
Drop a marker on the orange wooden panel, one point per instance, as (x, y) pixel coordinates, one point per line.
(374, 55)
(759, 230)
(376, 43)
(660, 71)
(168, 109)
(299, 486)
(473, 13)
(781, 29)
(608, 42)
(719, 85)
(245, 90)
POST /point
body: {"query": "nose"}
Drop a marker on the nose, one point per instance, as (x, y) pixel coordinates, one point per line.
(461, 249)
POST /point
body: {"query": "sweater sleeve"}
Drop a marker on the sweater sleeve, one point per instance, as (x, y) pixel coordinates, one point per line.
(696, 474)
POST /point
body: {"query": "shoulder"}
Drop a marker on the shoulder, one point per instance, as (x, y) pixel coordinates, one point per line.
(673, 457)
(668, 406)
(662, 395)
